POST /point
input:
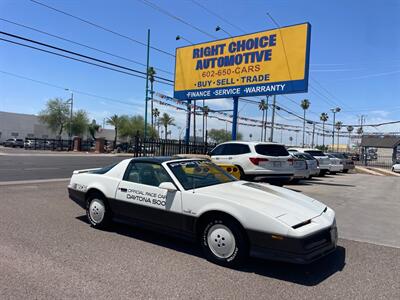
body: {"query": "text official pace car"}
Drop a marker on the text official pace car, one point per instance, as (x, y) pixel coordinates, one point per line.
(195, 199)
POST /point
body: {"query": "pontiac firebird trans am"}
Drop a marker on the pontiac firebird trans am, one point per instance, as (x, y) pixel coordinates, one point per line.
(195, 199)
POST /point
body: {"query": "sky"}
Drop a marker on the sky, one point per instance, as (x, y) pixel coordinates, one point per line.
(354, 56)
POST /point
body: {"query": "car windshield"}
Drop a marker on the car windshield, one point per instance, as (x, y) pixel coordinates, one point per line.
(315, 152)
(103, 170)
(199, 173)
(271, 150)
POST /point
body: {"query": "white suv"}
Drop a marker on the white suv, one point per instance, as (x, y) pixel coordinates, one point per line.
(256, 159)
(324, 163)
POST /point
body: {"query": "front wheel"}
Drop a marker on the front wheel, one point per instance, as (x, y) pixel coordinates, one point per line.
(97, 211)
(223, 242)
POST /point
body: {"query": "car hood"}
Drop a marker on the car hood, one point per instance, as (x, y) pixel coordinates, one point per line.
(286, 205)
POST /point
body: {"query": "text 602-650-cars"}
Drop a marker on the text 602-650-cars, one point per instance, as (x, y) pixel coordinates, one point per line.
(195, 199)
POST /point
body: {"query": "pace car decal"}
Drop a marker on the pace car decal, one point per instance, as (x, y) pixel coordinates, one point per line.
(146, 197)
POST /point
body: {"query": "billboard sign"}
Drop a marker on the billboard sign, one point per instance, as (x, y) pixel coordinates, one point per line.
(264, 63)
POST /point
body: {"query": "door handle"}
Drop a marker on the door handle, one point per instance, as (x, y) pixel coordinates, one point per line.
(124, 190)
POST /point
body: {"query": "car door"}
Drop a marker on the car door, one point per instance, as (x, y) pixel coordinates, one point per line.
(138, 196)
(218, 155)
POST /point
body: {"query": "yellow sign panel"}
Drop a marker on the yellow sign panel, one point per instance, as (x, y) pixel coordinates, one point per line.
(263, 63)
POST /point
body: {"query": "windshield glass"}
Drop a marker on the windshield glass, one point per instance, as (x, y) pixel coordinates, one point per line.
(199, 173)
(315, 153)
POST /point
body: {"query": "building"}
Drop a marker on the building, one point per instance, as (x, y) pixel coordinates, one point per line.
(383, 145)
(15, 125)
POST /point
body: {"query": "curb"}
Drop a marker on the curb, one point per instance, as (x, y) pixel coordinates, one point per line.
(19, 182)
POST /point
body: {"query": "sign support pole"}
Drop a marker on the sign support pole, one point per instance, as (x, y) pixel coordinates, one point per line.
(147, 85)
(271, 139)
(187, 133)
(235, 116)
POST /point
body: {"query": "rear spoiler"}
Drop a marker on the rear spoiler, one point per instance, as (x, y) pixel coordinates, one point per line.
(84, 171)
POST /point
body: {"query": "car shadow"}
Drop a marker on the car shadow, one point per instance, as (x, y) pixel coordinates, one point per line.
(307, 275)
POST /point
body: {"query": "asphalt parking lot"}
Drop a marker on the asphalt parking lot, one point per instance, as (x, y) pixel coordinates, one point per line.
(48, 250)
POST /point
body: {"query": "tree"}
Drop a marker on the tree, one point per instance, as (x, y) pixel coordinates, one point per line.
(93, 128)
(263, 107)
(79, 123)
(221, 135)
(166, 120)
(132, 126)
(338, 126)
(55, 115)
(115, 121)
(305, 104)
(323, 117)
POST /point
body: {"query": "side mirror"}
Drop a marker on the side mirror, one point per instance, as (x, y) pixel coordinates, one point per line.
(169, 186)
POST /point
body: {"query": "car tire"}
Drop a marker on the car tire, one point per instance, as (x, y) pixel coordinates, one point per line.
(242, 175)
(98, 211)
(346, 171)
(223, 242)
(322, 173)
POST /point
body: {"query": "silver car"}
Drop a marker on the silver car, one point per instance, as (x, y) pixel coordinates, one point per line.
(301, 170)
(312, 163)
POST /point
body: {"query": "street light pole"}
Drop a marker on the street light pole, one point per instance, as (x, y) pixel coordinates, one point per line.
(147, 84)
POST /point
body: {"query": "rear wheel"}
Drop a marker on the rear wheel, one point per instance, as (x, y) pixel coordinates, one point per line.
(97, 211)
(346, 171)
(223, 242)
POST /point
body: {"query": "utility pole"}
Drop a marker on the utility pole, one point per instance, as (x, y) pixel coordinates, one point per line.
(194, 121)
(266, 120)
(147, 85)
(271, 139)
(334, 111)
(313, 132)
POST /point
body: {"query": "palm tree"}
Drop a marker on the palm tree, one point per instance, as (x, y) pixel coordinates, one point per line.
(166, 120)
(151, 72)
(263, 107)
(349, 130)
(206, 110)
(115, 121)
(305, 104)
(323, 117)
(338, 126)
(156, 113)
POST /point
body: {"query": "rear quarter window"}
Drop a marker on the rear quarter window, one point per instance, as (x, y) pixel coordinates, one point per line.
(271, 150)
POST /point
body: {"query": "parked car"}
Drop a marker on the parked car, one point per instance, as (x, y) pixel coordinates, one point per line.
(256, 159)
(323, 160)
(336, 165)
(396, 167)
(196, 200)
(301, 170)
(348, 164)
(14, 143)
(312, 163)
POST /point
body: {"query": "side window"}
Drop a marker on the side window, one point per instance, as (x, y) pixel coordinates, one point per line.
(146, 173)
(235, 149)
(218, 150)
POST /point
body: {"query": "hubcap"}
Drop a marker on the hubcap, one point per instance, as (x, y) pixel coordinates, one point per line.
(221, 241)
(97, 210)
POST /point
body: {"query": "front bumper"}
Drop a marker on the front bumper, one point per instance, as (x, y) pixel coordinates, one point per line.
(294, 250)
(78, 197)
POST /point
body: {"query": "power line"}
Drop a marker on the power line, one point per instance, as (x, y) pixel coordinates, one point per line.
(63, 88)
(328, 92)
(101, 27)
(80, 55)
(218, 16)
(77, 59)
(165, 12)
(80, 44)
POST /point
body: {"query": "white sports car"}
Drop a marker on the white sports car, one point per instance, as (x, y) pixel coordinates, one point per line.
(195, 199)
